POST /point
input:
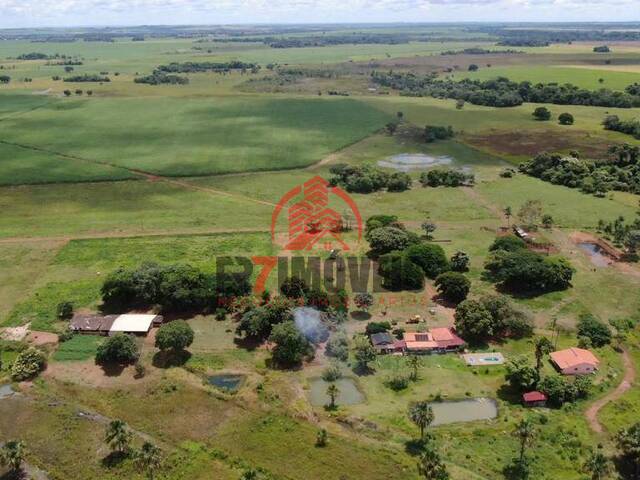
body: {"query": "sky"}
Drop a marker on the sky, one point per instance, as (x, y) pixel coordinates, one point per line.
(69, 13)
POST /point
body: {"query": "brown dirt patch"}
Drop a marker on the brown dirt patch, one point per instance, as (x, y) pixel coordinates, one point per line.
(529, 143)
(42, 338)
(87, 373)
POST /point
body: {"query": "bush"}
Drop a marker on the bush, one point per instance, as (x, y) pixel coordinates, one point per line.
(596, 331)
(332, 373)
(565, 119)
(120, 349)
(446, 177)
(542, 114)
(459, 262)
(338, 346)
(453, 286)
(430, 257)
(399, 182)
(294, 288)
(377, 327)
(28, 364)
(509, 243)
(397, 381)
(433, 133)
(64, 310)
(176, 336)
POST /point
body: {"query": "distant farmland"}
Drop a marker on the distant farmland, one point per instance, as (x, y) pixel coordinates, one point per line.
(181, 136)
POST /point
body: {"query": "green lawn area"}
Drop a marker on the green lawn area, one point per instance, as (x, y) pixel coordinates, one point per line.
(181, 137)
(80, 347)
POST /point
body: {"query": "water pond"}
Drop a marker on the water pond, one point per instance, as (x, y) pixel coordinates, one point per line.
(597, 255)
(349, 392)
(227, 382)
(464, 410)
(406, 162)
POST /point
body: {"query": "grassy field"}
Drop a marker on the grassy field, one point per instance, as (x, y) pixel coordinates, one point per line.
(80, 347)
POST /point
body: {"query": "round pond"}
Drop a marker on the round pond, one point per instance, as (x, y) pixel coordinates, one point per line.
(406, 162)
(228, 382)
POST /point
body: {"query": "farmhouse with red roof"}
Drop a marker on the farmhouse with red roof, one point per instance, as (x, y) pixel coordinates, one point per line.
(575, 361)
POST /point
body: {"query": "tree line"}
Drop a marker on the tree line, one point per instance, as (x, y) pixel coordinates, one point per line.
(502, 92)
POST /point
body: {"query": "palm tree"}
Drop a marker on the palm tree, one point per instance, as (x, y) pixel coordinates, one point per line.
(431, 466)
(525, 432)
(543, 346)
(598, 465)
(421, 414)
(149, 458)
(118, 436)
(12, 455)
(414, 363)
(333, 391)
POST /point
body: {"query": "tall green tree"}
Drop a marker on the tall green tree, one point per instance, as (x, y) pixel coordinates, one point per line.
(543, 346)
(525, 433)
(421, 414)
(628, 441)
(118, 436)
(414, 363)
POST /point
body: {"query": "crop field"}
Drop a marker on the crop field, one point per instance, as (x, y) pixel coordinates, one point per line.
(183, 174)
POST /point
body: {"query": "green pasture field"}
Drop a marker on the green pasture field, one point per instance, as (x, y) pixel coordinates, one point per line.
(181, 137)
(582, 77)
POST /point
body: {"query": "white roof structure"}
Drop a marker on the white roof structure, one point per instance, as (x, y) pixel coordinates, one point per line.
(132, 323)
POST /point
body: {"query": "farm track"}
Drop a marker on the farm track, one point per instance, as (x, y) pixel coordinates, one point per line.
(625, 385)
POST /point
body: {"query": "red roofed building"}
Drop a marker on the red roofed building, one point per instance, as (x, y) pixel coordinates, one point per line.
(435, 340)
(534, 399)
(575, 361)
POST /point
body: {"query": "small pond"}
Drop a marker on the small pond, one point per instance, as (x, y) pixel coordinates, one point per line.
(228, 382)
(6, 391)
(464, 410)
(406, 162)
(595, 252)
(349, 392)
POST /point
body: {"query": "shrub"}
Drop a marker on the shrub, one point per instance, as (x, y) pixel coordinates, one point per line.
(338, 346)
(364, 301)
(446, 177)
(596, 331)
(453, 286)
(388, 239)
(428, 256)
(542, 114)
(28, 364)
(397, 381)
(120, 348)
(176, 336)
(294, 287)
(332, 373)
(459, 262)
(509, 243)
(399, 182)
(377, 327)
(565, 119)
(64, 310)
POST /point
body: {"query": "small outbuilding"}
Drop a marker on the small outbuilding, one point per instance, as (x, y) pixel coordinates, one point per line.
(534, 399)
(134, 323)
(92, 324)
(575, 361)
(385, 343)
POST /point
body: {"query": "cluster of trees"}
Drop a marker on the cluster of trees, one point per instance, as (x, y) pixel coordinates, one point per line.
(36, 56)
(5, 79)
(602, 49)
(621, 171)
(28, 364)
(518, 269)
(446, 177)
(219, 67)
(148, 459)
(404, 260)
(489, 318)
(630, 127)
(435, 132)
(367, 179)
(348, 39)
(173, 287)
(501, 92)
(87, 78)
(158, 78)
(623, 234)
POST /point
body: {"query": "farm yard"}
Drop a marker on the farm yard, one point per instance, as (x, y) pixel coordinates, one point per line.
(130, 200)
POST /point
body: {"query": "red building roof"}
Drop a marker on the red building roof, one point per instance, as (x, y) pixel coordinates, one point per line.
(534, 397)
